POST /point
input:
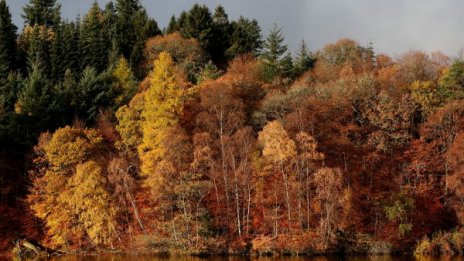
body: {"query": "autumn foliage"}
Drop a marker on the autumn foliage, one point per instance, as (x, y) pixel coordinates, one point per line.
(362, 153)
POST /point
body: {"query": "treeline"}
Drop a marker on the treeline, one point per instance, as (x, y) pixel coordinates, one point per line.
(205, 137)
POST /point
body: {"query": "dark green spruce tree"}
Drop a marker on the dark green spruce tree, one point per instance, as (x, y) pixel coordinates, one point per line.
(37, 106)
(7, 42)
(172, 26)
(304, 60)
(221, 39)
(132, 28)
(57, 54)
(9, 90)
(245, 38)
(93, 92)
(71, 51)
(94, 40)
(39, 50)
(181, 21)
(198, 24)
(273, 54)
(41, 12)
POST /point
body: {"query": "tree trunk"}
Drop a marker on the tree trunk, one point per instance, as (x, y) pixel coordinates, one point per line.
(287, 195)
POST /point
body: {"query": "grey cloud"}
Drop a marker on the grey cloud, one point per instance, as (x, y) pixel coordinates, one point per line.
(394, 26)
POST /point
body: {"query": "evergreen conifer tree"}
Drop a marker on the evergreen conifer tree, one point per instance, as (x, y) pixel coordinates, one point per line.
(7, 41)
(245, 38)
(273, 52)
(41, 12)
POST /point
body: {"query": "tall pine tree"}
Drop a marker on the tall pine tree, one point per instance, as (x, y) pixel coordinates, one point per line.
(303, 59)
(199, 25)
(172, 26)
(221, 39)
(132, 28)
(7, 41)
(246, 38)
(39, 48)
(41, 12)
(37, 104)
(94, 41)
(274, 51)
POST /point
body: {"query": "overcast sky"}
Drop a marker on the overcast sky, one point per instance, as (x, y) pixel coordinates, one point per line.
(394, 26)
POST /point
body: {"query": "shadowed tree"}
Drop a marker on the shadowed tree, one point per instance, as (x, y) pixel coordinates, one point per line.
(245, 39)
(7, 42)
(132, 28)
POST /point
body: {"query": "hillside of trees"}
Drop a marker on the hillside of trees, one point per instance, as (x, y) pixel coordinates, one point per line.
(210, 136)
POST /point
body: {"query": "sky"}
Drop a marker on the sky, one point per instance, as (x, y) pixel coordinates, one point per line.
(393, 26)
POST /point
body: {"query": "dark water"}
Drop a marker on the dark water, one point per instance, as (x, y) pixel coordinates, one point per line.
(186, 258)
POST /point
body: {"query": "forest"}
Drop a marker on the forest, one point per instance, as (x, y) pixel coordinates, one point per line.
(210, 136)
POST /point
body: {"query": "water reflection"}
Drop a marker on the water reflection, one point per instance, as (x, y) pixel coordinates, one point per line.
(239, 258)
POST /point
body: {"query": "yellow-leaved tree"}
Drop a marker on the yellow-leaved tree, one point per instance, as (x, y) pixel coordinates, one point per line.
(69, 190)
(125, 84)
(129, 126)
(165, 153)
(427, 94)
(163, 106)
(91, 202)
(278, 150)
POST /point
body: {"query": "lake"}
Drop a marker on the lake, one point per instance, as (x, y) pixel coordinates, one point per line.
(235, 258)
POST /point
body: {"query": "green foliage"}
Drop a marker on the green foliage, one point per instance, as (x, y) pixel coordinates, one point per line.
(38, 50)
(222, 32)
(427, 95)
(94, 92)
(404, 229)
(7, 42)
(199, 25)
(70, 50)
(400, 208)
(222, 39)
(42, 12)
(400, 211)
(172, 26)
(37, 102)
(246, 38)
(9, 89)
(94, 41)
(452, 81)
(11, 136)
(132, 29)
(65, 52)
(209, 72)
(304, 60)
(273, 54)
